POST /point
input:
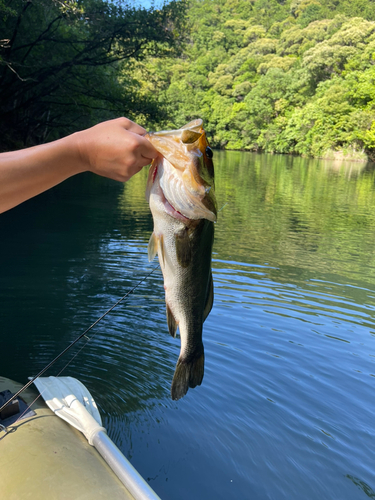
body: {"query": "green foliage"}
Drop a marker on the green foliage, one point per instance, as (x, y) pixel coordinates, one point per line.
(289, 77)
(293, 77)
(60, 63)
(330, 56)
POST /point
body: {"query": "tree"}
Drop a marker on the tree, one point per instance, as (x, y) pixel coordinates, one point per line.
(289, 77)
(59, 63)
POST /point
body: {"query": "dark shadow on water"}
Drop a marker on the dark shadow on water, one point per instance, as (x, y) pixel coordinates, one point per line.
(367, 490)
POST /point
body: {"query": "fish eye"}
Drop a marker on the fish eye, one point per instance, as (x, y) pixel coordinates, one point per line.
(209, 152)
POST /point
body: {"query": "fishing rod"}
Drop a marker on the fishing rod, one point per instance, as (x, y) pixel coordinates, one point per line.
(31, 381)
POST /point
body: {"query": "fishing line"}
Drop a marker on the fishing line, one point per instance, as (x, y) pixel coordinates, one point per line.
(31, 381)
(222, 207)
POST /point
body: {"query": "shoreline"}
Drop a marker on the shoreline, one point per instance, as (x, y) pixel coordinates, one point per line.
(349, 154)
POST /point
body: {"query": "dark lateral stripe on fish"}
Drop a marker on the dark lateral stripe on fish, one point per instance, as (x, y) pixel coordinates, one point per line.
(183, 247)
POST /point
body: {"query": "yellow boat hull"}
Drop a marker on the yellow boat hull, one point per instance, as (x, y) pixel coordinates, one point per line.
(45, 458)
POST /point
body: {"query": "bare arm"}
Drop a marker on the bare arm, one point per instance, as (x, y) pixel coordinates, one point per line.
(114, 149)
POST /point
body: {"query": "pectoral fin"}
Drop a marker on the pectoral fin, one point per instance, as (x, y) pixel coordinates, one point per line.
(152, 247)
(210, 299)
(156, 245)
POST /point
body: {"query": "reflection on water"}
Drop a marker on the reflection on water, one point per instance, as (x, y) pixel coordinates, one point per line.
(364, 487)
(298, 213)
(286, 407)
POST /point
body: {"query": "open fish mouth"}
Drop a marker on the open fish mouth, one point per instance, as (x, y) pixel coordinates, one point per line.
(182, 197)
(184, 172)
(178, 200)
(168, 206)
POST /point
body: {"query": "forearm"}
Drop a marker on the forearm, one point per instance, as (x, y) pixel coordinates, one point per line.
(114, 149)
(29, 172)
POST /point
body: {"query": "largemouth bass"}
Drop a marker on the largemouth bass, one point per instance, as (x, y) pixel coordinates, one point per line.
(181, 195)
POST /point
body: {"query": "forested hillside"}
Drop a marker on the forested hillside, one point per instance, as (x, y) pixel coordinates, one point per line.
(289, 77)
(294, 77)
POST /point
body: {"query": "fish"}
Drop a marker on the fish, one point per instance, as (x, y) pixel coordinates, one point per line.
(181, 195)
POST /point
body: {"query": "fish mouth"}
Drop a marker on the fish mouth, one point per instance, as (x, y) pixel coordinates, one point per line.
(191, 206)
(169, 208)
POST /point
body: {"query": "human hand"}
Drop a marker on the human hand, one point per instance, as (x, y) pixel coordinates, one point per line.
(114, 149)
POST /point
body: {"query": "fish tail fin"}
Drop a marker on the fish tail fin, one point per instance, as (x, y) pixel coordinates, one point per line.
(189, 373)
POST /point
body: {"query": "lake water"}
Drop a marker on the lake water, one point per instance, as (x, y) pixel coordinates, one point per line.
(286, 409)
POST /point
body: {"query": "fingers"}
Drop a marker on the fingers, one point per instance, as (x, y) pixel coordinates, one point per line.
(148, 152)
(116, 149)
(131, 126)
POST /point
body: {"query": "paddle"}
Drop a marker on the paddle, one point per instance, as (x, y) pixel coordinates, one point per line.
(70, 400)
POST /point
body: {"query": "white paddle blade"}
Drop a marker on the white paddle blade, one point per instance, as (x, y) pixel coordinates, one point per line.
(70, 400)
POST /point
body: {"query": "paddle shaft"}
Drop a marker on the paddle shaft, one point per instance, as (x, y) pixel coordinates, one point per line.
(123, 469)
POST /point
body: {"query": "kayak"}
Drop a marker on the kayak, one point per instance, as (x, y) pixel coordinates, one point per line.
(43, 456)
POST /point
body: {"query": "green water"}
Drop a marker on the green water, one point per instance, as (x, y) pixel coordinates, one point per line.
(286, 407)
